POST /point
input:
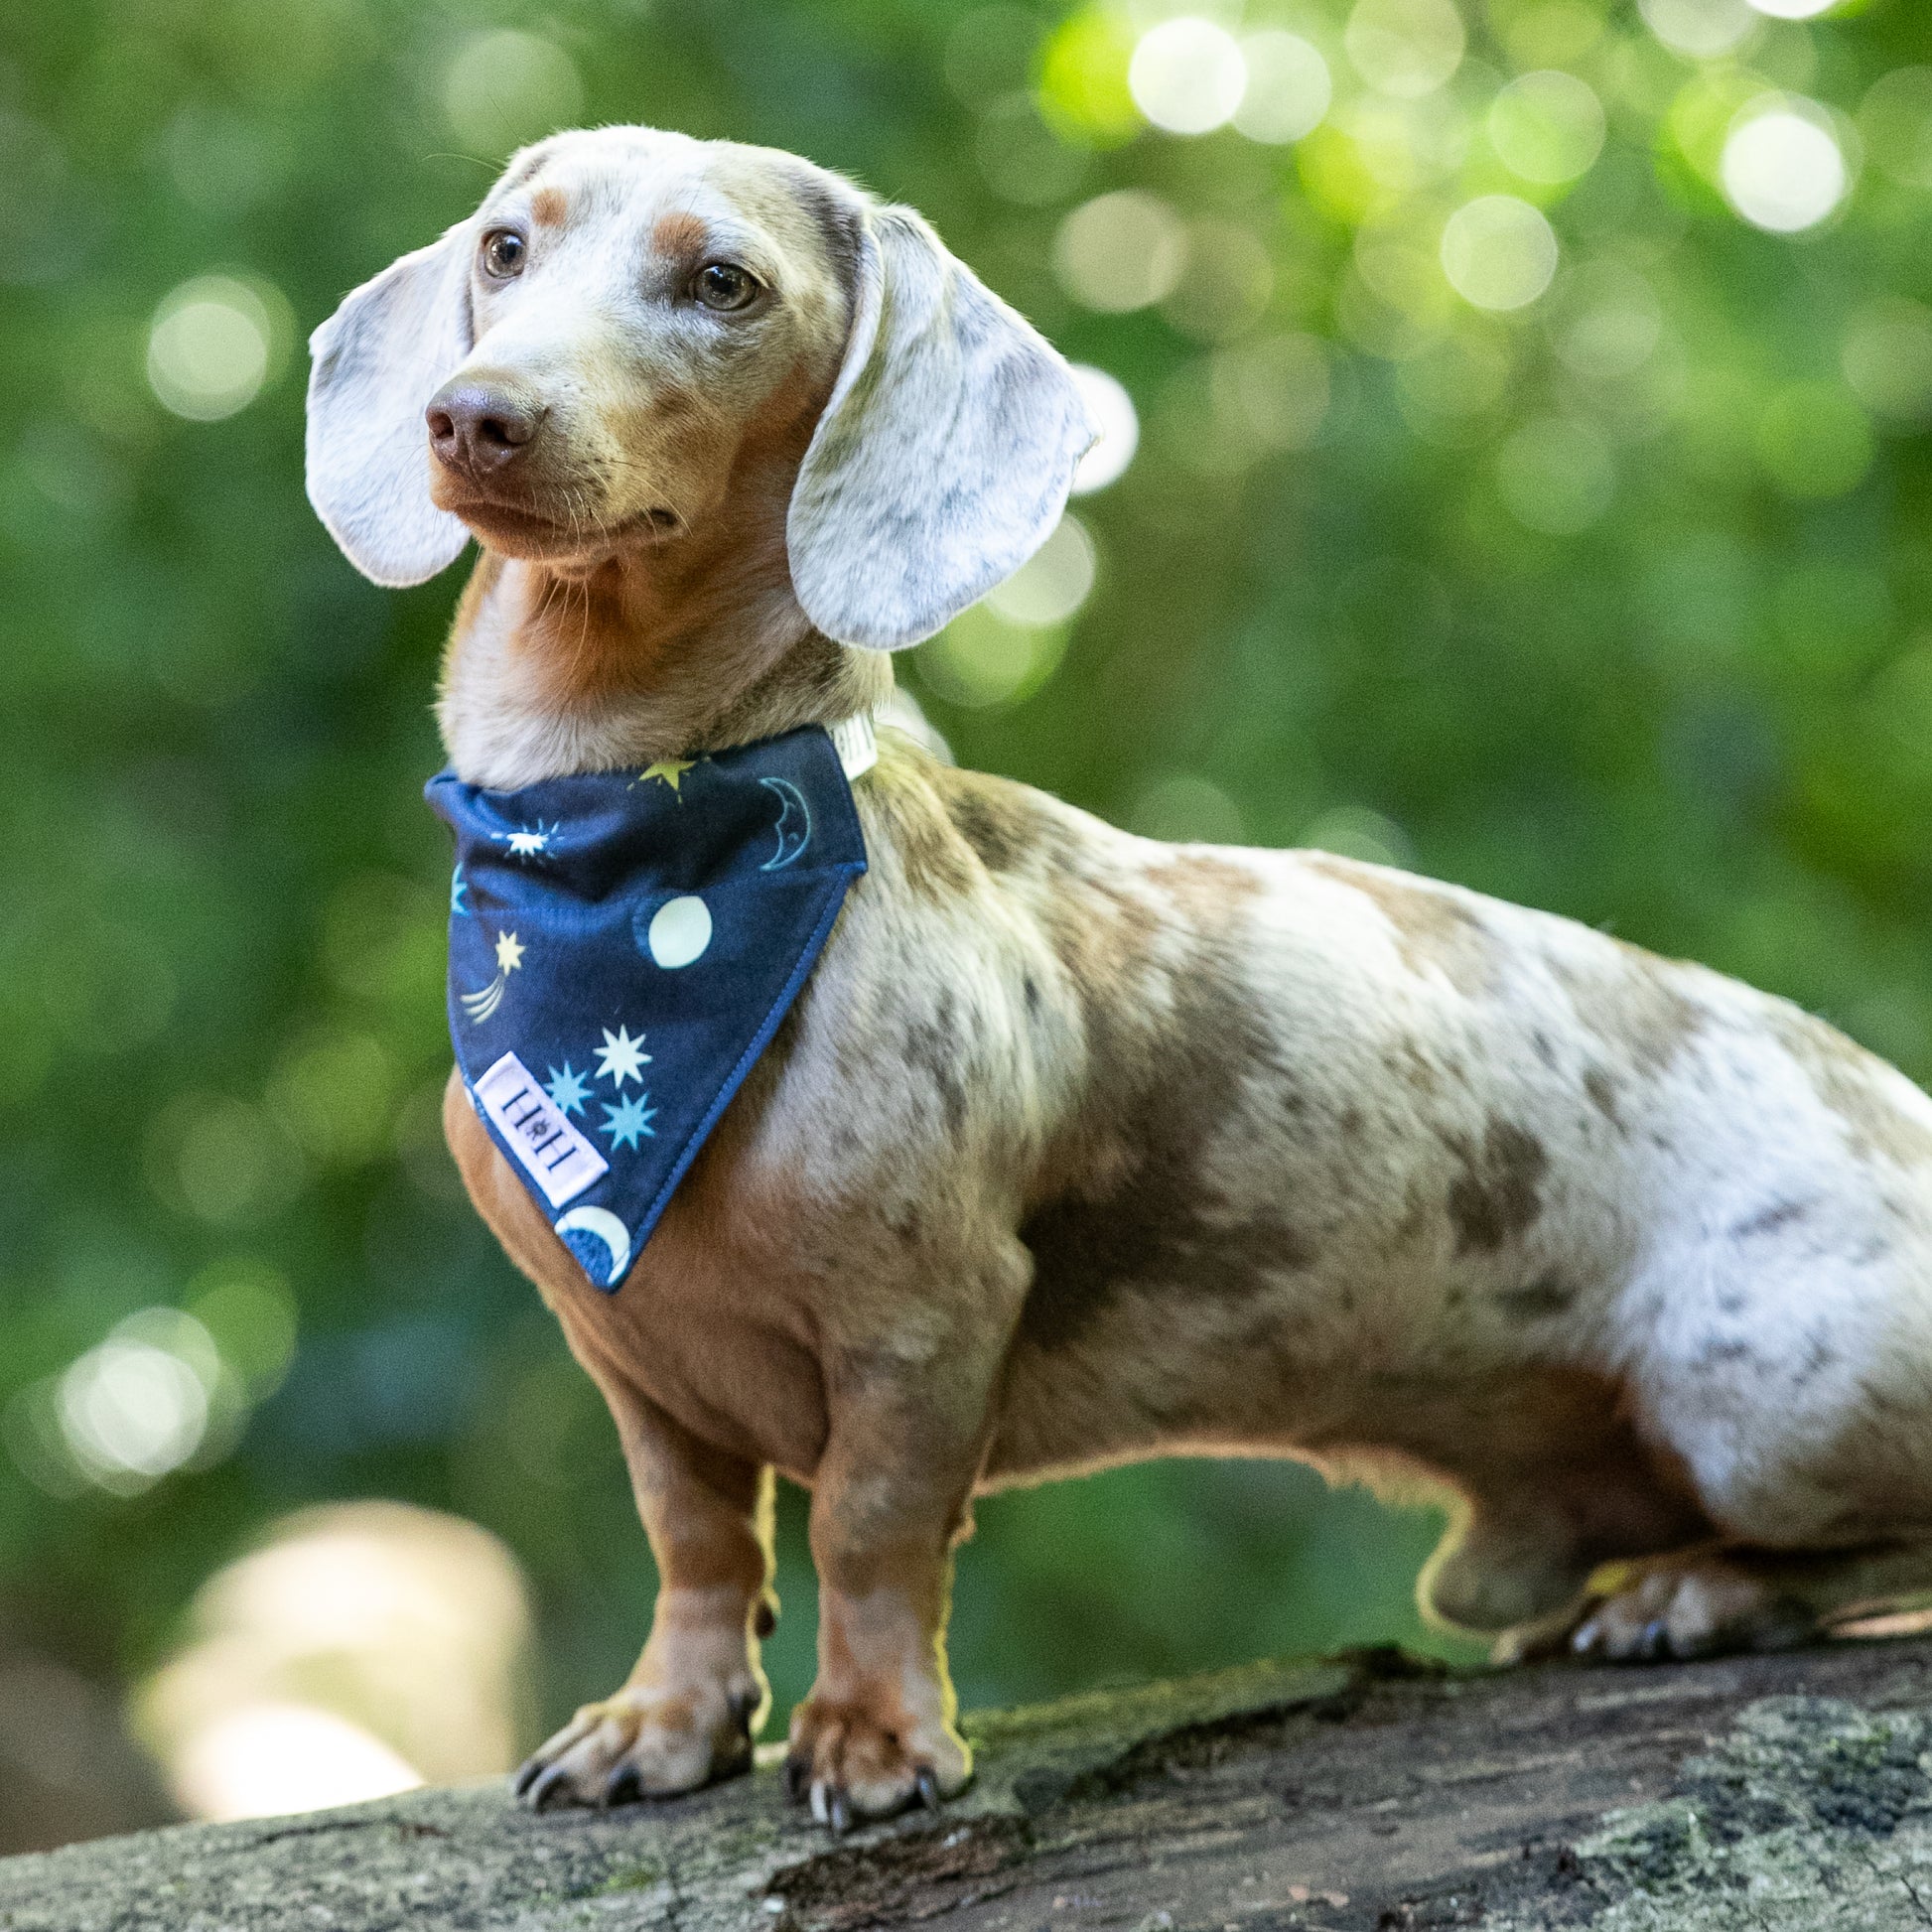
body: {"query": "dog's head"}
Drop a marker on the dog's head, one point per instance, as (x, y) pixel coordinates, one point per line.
(582, 368)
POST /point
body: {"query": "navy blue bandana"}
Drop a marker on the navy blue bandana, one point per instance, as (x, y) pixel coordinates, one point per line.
(623, 946)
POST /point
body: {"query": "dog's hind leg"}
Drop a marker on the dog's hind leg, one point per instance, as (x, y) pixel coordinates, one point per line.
(1701, 1603)
(1499, 1570)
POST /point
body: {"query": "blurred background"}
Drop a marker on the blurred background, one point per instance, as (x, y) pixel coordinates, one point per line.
(1516, 469)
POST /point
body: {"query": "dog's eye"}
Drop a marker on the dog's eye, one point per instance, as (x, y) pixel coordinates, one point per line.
(502, 253)
(723, 285)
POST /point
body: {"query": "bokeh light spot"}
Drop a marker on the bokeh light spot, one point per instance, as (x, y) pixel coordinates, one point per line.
(982, 659)
(1185, 808)
(1187, 76)
(367, 1648)
(507, 87)
(1557, 32)
(1120, 251)
(1547, 127)
(250, 1316)
(1053, 582)
(1272, 394)
(268, 1759)
(1887, 359)
(1500, 252)
(1358, 832)
(137, 1406)
(1555, 475)
(1782, 170)
(1119, 423)
(1406, 48)
(214, 343)
(1021, 156)
(1227, 283)
(1083, 90)
(334, 1096)
(1794, 9)
(1700, 28)
(1010, 643)
(1288, 87)
(1612, 321)
(1895, 120)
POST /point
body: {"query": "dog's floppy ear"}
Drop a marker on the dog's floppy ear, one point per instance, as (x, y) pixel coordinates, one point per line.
(378, 360)
(944, 457)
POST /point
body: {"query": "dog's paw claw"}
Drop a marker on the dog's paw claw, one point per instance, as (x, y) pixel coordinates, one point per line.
(854, 1767)
(1676, 1610)
(641, 1744)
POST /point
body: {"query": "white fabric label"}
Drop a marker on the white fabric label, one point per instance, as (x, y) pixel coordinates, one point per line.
(557, 1157)
(856, 744)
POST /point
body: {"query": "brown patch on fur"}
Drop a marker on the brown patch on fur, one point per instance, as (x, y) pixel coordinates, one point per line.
(1601, 1090)
(997, 821)
(549, 208)
(1630, 1004)
(680, 235)
(1546, 1297)
(1204, 886)
(1494, 1197)
(1137, 1205)
(1848, 1079)
(1434, 930)
(934, 851)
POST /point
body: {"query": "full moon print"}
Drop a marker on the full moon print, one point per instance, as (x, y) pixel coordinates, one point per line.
(679, 931)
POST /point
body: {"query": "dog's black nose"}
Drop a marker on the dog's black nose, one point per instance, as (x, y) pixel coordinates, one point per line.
(479, 430)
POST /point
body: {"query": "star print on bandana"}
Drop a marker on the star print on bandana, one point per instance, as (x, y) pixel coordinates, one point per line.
(626, 1121)
(530, 841)
(619, 927)
(480, 1004)
(669, 771)
(567, 1088)
(623, 1058)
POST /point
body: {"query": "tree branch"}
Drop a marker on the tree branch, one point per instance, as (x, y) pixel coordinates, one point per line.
(1368, 1794)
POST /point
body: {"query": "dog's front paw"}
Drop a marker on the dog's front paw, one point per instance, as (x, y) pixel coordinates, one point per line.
(644, 1744)
(853, 1764)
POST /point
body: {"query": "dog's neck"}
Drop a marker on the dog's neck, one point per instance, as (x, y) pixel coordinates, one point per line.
(691, 645)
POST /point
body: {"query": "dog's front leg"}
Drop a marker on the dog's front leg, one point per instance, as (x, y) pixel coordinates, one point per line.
(689, 1710)
(889, 1501)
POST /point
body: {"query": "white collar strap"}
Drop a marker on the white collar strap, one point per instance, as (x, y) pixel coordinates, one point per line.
(856, 743)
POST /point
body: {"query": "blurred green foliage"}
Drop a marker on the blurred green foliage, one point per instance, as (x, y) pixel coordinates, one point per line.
(1618, 602)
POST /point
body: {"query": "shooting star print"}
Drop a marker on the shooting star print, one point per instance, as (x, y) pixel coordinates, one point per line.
(486, 1000)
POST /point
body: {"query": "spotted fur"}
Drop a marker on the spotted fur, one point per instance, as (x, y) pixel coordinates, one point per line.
(1079, 1147)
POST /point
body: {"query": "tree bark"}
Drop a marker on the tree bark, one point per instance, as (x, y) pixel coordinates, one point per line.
(1368, 1794)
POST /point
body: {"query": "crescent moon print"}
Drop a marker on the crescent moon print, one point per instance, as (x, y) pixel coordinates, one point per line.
(599, 1226)
(795, 827)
